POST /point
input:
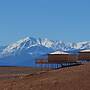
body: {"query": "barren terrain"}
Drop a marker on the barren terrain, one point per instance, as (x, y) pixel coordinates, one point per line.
(69, 78)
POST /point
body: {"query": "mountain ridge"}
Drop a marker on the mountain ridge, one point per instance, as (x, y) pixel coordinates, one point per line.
(29, 42)
(27, 50)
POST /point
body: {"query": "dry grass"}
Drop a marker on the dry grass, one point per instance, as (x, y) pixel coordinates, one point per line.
(70, 78)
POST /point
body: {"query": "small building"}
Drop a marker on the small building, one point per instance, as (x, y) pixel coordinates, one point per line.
(84, 55)
(62, 57)
(58, 58)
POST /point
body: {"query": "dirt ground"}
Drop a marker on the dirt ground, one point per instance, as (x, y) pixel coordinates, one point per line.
(69, 78)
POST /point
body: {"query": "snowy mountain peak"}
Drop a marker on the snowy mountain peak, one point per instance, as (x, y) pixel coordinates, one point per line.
(33, 45)
(18, 46)
(25, 51)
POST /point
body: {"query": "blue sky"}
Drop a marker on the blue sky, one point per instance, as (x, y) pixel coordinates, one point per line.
(67, 20)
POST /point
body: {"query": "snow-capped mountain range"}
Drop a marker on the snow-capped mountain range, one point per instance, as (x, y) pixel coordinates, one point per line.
(27, 50)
